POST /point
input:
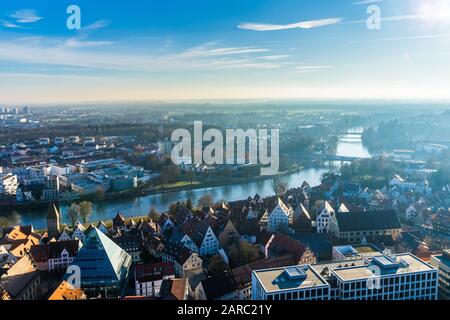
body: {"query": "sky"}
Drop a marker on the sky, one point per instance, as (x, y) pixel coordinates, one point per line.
(223, 49)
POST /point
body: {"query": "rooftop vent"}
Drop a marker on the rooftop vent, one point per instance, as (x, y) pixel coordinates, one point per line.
(295, 273)
(386, 262)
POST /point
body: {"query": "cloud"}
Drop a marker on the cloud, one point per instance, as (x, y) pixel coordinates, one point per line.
(100, 24)
(298, 25)
(366, 2)
(9, 24)
(58, 53)
(79, 43)
(274, 57)
(207, 52)
(307, 69)
(413, 37)
(25, 16)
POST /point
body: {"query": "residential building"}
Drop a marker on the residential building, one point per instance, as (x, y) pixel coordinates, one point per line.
(133, 244)
(324, 216)
(66, 291)
(302, 222)
(8, 185)
(21, 281)
(206, 240)
(149, 277)
(353, 227)
(55, 255)
(175, 289)
(278, 220)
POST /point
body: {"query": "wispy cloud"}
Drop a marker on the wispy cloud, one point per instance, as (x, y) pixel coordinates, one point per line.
(59, 53)
(9, 24)
(413, 37)
(208, 52)
(406, 17)
(80, 43)
(366, 2)
(100, 24)
(25, 16)
(298, 25)
(308, 68)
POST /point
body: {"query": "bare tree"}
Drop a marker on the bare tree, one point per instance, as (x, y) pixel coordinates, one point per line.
(73, 213)
(205, 201)
(279, 187)
(85, 211)
(154, 215)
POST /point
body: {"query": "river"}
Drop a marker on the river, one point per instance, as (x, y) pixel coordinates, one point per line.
(349, 144)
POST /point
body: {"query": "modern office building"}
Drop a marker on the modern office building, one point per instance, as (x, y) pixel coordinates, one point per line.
(382, 277)
(400, 277)
(289, 283)
(442, 263)
(104, 266)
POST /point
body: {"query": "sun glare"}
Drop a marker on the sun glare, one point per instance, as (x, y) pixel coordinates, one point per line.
(437, 11)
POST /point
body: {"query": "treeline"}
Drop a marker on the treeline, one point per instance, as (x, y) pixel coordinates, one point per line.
(373, 173)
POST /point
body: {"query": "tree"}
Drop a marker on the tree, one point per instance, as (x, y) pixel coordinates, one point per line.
(85, 211)
(242, 253)
(73, 212)
(205, 201)
(190, 176)
(189, 204)
(279, 187)
(154, 215)
(216, 265)
(4, 222)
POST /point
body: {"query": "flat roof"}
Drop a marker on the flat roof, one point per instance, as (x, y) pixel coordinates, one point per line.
(278, 279)
(407, 264)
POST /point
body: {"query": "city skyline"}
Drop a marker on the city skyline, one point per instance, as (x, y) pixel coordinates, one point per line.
(204, 51)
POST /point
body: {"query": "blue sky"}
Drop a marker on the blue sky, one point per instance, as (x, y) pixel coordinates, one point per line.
(223, 49)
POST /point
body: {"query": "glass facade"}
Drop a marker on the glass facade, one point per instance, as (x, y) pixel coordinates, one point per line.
(103, 264)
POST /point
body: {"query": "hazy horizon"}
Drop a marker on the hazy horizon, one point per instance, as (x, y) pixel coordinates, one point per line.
(204, 50)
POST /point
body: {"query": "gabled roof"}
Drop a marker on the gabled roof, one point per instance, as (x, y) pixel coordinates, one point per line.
(154, 271)
(301, 212)
(327, 206)
(367, 220)
(282, 206)
(66, 291)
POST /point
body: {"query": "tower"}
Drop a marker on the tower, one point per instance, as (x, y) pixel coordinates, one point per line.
(53, 222)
